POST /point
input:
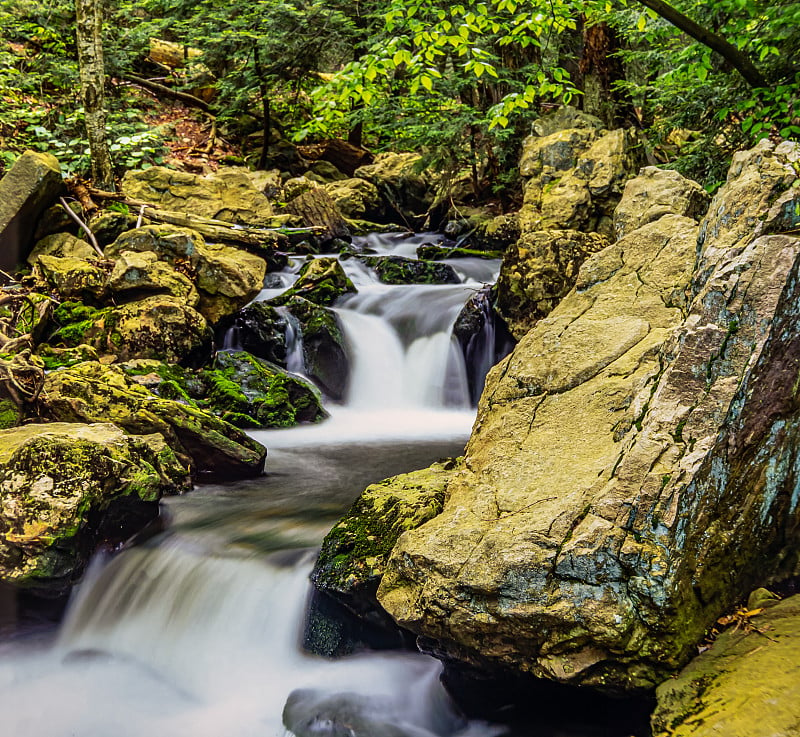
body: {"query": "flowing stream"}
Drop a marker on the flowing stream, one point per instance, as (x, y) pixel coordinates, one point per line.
(196, 632)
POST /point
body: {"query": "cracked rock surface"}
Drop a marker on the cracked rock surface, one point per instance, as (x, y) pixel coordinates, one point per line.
(633, 468)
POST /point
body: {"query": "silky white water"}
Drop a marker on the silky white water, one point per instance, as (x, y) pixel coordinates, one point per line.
(196, 633)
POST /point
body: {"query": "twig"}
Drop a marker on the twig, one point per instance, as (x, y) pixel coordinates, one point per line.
(83, 225)
(141, 215)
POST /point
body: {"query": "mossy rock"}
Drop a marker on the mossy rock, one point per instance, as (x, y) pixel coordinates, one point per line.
(64, 487)
(250, 392)
(93, 392)
(321, 280)
(430, 251)
(54, 358)
(137, 274)
(744, 685)
(354, 553)
(71, 277)
(62, 245)
(161, 327)
(239, 388)
(400, 270)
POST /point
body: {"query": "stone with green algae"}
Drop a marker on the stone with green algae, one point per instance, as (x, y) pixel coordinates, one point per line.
(61, 482)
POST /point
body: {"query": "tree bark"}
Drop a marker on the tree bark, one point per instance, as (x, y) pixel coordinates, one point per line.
(739, 60)
(89, 25)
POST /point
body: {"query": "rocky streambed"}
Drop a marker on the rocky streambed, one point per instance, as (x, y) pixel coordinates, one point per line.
(629, 480)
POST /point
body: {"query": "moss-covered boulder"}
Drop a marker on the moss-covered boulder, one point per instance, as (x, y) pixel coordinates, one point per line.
(66, 487)
(321, 280)
(71, 277)
(63, 245)
(227, 278)
(26, 191)
(136, 274)
(537, 271)
(400, 270)
(93, 392)
(745, 685)
(250, 392)
(354, 553)
(161, 327)
(497, 233)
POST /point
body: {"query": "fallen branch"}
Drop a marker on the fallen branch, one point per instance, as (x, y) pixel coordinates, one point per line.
(162, 89)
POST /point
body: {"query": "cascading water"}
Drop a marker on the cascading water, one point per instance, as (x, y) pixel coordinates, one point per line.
(196, 632)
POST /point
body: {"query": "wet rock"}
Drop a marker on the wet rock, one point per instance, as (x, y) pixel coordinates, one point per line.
(92, 392)
(160, 326)
(64, 487)
(744, 685)
(430, 251)
(321, 280)
(261, 331)
(656, 192)
(400, 270)
(62, 245)
(324, 352)
(312, 713)
(538, 271)
(631, 471)
(26, 191)
(227, 194)
(249, 392)
(497, 233)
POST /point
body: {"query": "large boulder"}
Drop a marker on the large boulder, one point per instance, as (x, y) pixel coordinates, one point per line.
(65, 487)
(400, 178)
(537, 271)
(92, 392)
(356, 198)
(744, 685)
(261, 330)
(227, 194)
(226, 278)
(162, 327)
(632, 470)
(574, 176)
(26, 191)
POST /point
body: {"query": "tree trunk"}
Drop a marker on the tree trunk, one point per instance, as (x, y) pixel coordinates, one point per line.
(739, 60)
(88, 25)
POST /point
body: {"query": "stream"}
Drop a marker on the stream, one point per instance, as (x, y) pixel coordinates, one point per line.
(196, 632)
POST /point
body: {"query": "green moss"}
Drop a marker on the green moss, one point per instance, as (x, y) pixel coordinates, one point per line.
(10, 414)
